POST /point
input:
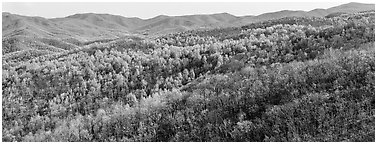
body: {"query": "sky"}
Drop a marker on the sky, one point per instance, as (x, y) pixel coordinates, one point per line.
(147, 10)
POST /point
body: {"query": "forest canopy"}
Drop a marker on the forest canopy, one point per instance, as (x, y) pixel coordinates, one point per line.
(289, 79)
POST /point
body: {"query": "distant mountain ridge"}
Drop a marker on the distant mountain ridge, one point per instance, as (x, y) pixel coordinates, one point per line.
(27, 30)
(107, 25)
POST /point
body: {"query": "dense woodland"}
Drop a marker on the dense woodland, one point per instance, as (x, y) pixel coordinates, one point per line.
(289, 79)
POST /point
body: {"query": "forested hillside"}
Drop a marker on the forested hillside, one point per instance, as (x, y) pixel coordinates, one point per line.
(289, 79)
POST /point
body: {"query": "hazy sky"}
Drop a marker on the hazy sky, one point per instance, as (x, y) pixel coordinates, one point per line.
(149, 9)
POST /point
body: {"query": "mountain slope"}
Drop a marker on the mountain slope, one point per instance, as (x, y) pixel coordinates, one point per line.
(162, 24)
(105, 20)
(345, 8)
(351, 8)
(62, 28)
